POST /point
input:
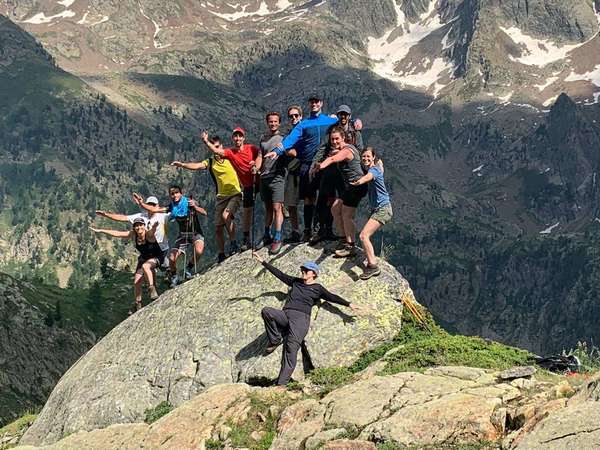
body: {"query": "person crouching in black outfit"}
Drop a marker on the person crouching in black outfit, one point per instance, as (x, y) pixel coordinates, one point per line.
(290, 325)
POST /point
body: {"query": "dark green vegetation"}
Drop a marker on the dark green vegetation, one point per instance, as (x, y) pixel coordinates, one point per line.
(419, 346)
(160, 410)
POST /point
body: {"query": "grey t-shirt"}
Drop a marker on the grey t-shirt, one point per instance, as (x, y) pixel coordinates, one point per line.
(272, 167)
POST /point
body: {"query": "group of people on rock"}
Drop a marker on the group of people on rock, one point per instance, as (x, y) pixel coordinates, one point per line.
(320, 160)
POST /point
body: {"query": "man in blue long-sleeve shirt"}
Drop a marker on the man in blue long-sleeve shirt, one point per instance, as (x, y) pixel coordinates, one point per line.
(289, 326)
(306, 138)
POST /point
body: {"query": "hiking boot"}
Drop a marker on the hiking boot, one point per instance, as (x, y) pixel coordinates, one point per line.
(316, 238)
(330, 235)
(189, 274)
(137, 305)
(270, 349)
(267, 240)
(275, 248)
(306, 235)
(348, 251)
(293, 238)
(153, 293)
(233, 248)
(370, 271)
(246, 245)
(221, 257)
(174, 281)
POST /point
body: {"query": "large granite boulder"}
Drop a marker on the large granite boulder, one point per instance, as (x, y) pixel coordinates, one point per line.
(209, 331)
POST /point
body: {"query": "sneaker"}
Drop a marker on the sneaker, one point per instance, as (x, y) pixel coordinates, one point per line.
(153, 293)
(233, 248)
(293, 238)
(174, 281)
(221, 257)
(188, 275)
(370, 271)
(306, 235)
(275, 248)
(347, 252)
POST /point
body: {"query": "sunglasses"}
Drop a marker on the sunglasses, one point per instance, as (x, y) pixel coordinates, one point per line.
(293, 116)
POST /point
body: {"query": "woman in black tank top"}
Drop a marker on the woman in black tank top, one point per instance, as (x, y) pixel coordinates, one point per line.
(150, 256)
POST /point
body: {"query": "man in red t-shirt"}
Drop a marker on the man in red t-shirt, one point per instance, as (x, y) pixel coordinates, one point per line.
(243, 159)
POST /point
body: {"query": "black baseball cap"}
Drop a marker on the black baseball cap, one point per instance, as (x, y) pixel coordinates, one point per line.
(315, 95)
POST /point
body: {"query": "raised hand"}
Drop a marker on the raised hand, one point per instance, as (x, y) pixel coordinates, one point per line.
(177, 164)
(95, 230)
(271, 155)
(204, 136)
(137, 198)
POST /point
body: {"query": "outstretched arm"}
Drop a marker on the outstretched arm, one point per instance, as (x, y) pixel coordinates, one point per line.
(113, 233)
(213, 148)
(287, 279)
(363, 180)
(333, 298)
(343, 155)
(112, 216)
(138, 199)
(190, 165)
(193, 204)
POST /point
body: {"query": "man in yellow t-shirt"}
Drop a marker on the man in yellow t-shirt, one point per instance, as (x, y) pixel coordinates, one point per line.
(229, 196)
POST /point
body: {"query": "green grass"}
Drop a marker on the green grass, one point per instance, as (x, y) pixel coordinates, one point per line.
(418, 347)
(160, 410)
(17, 427)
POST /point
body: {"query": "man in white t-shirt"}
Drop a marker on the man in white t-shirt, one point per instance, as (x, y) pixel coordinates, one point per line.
(150, 218)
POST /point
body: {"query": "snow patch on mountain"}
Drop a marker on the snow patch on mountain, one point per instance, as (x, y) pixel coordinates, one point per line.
(537, 52)
(41, 18)
(592, 76)
(84, 20)
(155, 39)
(66, 3)
(388, 51)
(550, 228)
(550, 81)
(263, 10)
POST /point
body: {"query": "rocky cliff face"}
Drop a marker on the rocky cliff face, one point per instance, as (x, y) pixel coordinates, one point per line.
(35, 348)
(210, 331)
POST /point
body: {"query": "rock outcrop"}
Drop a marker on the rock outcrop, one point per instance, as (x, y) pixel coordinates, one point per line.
(209, 331)
(576, 426)
(444, 407)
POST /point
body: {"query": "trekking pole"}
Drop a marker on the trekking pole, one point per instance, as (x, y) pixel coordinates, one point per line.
(192, 217)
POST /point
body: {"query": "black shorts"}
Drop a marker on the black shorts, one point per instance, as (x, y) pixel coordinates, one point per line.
(308, 187)
(162, 262)
(248, 196)
(272, 190)
(352, 195)
(332, 184)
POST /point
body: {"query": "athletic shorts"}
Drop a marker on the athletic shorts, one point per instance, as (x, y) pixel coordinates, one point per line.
(332, 184)
(291, 195)
(383, 214)
(352, 195)
(184, 240)
(161, 262)
(230, 203)
(272, 190)
(248, 196)
(308, 187)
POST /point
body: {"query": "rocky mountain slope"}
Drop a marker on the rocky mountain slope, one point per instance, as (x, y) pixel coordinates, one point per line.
(37, 345)
(463, 97)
